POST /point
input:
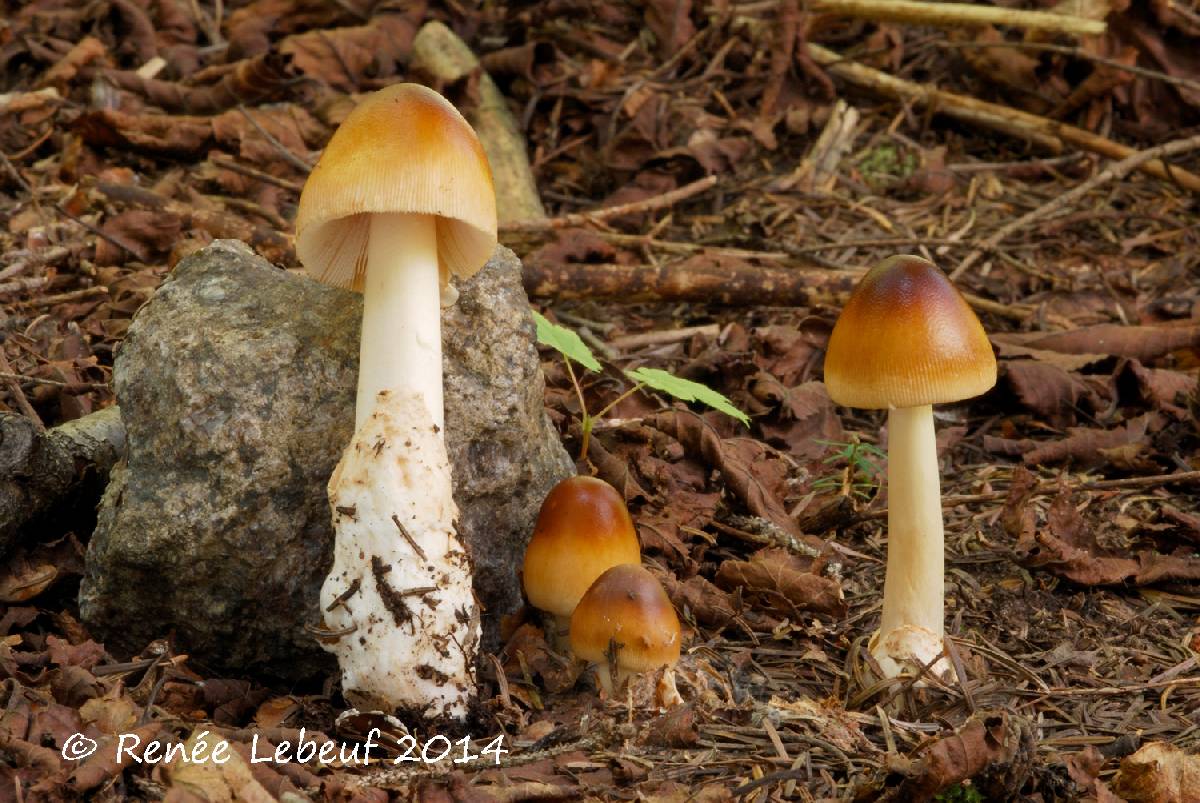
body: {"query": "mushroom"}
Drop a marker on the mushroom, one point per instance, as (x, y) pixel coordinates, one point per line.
(905, 341)
(400, 200)
(625, 625)
(583, 528)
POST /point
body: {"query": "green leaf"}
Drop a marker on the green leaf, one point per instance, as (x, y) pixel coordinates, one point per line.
(686, 390)
(565, 342)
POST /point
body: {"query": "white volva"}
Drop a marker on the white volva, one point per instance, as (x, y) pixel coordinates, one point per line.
(911, 627)
(399, 594)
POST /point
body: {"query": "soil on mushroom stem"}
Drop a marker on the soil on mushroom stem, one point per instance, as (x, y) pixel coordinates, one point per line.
(1073, 576)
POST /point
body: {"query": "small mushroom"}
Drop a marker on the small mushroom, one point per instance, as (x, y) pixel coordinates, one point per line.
(625, 625)
(905, 341)
(583, 528)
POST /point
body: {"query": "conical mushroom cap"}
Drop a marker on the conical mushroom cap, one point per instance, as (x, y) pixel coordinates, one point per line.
(627, 606)
(582, 529)
(402, 149)
(907, 338)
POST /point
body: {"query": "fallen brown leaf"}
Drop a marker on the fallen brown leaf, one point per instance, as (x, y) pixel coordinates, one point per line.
(1084, 769)
(32, 570)
(783, 582)
(1084, 446)
(995, 750)
(1067, 544)
(1144, 343)
(215, 782)
(806, 415)
(1159, 773)
(1047, 389)
(750, 468)
(826, 719)
(712, 607)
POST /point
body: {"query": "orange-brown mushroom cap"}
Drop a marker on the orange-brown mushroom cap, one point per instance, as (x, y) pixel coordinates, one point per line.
(907, 338)
(403, 149)
(582, 529)
(626, 606)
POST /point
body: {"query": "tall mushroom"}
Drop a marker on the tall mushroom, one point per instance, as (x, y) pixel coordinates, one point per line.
(401, 200)
(905, 341)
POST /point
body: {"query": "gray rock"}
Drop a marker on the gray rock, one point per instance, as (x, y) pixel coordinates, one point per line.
(50, 481)
(236, 384)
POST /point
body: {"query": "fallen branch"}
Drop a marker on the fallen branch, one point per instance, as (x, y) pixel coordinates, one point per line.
(583, 218)
(60, 471)
(954, 15)
(1051, 134)
(1113, 172)
(714, 280)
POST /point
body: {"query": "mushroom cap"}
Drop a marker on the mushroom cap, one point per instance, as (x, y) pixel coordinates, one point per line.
(907, 338)
(627, 605)
(404, 148)
(582, 529)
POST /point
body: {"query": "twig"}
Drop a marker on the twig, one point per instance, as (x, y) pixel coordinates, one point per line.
(18, 395)
(158, 685)
(1049, 133)
(1050, 486)
(292, 158)
(661, 336)
(248, 207)
(407, 537)
(1079, 53)
(37, 380)
(20, 285)
(878, 242)
(817, 172)
(644, 205)
(1075, 691)
(345, 595)
(688, 248)
(1002, 167)
(954, 15)
(12, 170)
(122, 668)
(1111, 173)
(225, 163)
(64, 298)
(42, 256)
(103, 235)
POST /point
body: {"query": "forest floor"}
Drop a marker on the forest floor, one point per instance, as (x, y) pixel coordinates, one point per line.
(760, 156)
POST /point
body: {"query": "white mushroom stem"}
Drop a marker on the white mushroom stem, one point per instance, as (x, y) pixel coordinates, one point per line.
(398, 604)
(609, 682)
(912, 625)
(401, 343)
